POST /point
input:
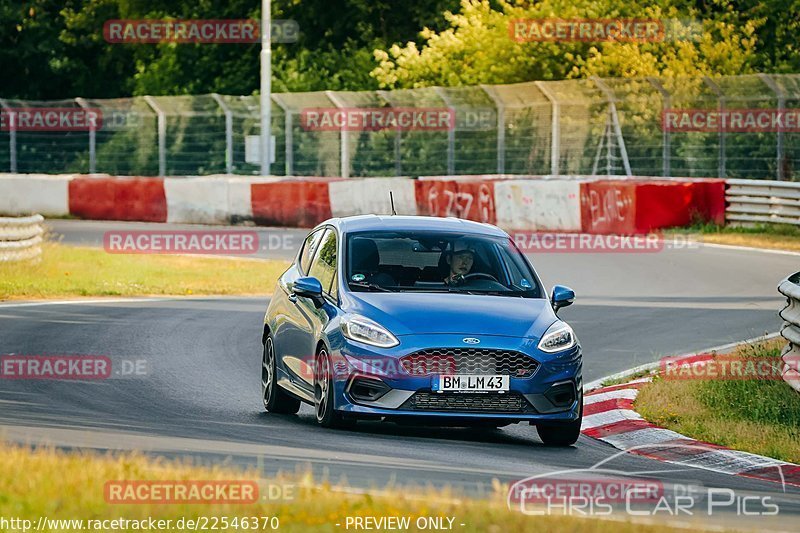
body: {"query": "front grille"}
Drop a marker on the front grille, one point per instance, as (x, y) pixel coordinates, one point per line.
(466, 402)
(478, 361)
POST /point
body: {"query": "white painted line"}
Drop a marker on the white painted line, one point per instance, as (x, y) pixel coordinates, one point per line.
(748, 249)
(88, 302)
(620, 394)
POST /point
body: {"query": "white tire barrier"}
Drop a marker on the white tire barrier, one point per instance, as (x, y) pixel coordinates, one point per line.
(21, 238)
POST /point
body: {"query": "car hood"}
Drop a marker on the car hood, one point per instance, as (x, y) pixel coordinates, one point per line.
(415, 313)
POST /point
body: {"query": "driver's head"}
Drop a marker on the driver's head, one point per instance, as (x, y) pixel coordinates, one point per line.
(461, 261)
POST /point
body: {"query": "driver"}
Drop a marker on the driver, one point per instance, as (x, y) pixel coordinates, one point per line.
(460, 263)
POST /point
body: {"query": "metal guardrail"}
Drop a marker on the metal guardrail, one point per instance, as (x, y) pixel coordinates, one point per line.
(790, 287)
(753, 201)
(21, 238)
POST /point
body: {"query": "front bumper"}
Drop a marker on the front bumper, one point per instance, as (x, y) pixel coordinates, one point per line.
(540, 398)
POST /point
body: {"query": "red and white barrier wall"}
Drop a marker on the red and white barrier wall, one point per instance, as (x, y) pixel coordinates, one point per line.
(570, 204)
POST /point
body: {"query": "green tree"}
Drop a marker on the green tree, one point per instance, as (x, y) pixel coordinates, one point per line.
(477, 46)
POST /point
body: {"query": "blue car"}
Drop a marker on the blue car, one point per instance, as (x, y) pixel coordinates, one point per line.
(421, 320)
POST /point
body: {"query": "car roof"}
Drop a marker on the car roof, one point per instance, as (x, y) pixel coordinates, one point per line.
(412, 223)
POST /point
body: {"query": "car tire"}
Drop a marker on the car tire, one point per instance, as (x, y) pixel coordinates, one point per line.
(324, 411)
(564, 434)
(276, 400)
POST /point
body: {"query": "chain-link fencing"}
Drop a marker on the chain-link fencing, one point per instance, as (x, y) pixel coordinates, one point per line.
(588, 127)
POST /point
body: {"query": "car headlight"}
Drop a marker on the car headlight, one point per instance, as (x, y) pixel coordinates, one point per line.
(362, 329)
(558, 337)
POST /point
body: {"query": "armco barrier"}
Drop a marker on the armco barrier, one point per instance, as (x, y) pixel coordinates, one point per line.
(107, 198)
(21, 238)
(294, 202)
(790, 287)
(26, 194)
(469, 198)
(763, 201)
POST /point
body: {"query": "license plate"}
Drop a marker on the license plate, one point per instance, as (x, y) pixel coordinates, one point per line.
(470, 383)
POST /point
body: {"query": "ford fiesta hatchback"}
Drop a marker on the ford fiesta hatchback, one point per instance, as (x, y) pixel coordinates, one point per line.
(425, 320)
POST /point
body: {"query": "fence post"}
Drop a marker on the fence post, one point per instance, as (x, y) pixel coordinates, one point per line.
(555, 134)
(781, 94)
(12, 136)
(398, 136)
(288, 135)
(228, 132)
(612, 102)
(344, 146)
(162, 135)
(666, 99)
(92, 138)
(451, 134)
(721, 170)
(501, 127)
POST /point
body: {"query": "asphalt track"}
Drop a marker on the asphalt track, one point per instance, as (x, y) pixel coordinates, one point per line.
(200, 395)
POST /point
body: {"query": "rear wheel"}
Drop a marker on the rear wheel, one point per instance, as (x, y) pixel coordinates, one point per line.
(276, 400)
(562, 435)
(323, 394)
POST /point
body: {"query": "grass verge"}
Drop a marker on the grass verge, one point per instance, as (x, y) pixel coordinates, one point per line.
(754, 415)
(66, 271)
(70, 486)
(769, 236)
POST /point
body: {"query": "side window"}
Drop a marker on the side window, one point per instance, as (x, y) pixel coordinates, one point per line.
(323, 267)
(309, 246)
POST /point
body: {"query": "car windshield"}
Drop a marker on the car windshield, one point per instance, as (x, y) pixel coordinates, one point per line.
(396, 261)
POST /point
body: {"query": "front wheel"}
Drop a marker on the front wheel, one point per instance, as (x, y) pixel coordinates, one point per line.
(562, 435)
(323, 394)
(276, 400)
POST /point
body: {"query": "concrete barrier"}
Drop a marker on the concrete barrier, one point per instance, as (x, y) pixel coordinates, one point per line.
(26, 194)
(468, 198)
(371, 195)
(532, 203)
(106, 198)
(300, 203)
(537, 205)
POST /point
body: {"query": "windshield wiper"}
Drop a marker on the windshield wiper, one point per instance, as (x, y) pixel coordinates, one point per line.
(366, 285)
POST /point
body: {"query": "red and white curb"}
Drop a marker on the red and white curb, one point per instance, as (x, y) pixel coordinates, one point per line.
(608, 415)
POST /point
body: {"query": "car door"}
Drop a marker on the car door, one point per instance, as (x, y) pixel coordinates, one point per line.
(309, 320)
(292, 325)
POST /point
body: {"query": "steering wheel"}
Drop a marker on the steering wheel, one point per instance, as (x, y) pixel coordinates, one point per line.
(476, 275)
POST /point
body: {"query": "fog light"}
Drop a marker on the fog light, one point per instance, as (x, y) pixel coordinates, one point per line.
(561, 395)
(368, 389)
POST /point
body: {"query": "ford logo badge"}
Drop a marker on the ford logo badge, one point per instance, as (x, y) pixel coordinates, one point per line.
(471, 340)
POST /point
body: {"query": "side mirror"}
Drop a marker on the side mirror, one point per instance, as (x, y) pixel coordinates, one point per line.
(561, 297)
(309, 287)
